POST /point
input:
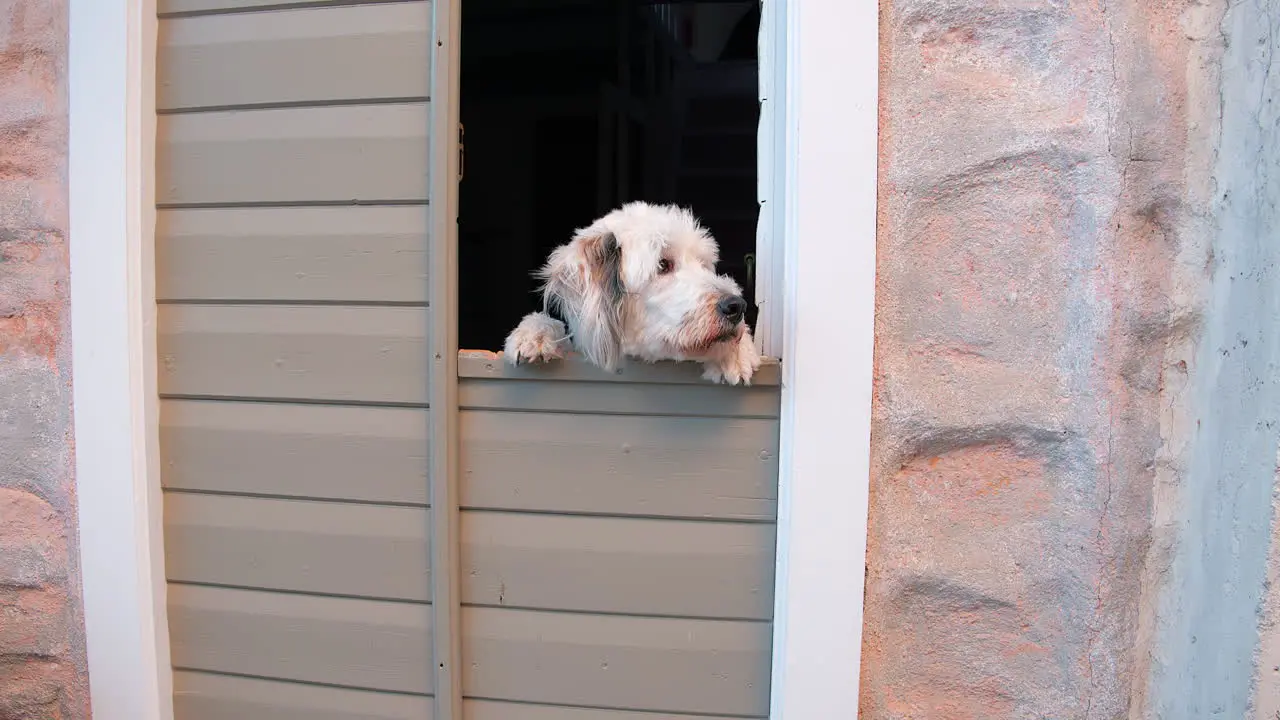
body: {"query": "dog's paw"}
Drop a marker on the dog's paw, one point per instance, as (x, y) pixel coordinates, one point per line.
(538, 338)
(737, 364)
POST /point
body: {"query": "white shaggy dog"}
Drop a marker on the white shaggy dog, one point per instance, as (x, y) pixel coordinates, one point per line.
(640, 282)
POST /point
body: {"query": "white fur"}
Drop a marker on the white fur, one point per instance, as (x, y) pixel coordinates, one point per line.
(618, 302)
(538, 338)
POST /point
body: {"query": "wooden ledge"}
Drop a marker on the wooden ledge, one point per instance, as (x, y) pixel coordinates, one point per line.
(492, 366)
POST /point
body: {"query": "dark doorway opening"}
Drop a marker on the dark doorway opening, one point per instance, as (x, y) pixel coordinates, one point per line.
(574, 107)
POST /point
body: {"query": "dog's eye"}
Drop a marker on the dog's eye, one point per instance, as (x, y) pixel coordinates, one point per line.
(664, 266)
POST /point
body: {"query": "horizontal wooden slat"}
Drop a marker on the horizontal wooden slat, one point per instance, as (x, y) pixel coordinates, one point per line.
(618, 565)
(204, 696)
(301, 545)
(486, 364)
(628, 663)
(294, 56)
(315, 451)
(332, 254)
(365, 354)
(625, 465)
(170, 7)
(495, 710)
(617, 398)
(347, 154)
(366, 644)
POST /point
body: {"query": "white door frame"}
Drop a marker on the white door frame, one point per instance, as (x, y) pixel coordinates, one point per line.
(828, 215)
(113, 348)
(829, 265)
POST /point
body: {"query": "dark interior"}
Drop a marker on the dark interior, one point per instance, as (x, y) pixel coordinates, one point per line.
(573, 107)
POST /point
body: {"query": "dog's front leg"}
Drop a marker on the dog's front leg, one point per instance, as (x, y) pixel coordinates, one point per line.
(538, 338)
(737, 362)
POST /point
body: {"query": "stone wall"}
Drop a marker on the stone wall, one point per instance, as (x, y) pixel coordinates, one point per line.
(1049, 339)
(42, 649)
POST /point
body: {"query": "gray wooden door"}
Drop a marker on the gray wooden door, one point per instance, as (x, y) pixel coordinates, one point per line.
(291, 267)
(617, 541)
(359, 522)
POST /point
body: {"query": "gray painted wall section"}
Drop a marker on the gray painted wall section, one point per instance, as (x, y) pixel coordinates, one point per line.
(1205, 643)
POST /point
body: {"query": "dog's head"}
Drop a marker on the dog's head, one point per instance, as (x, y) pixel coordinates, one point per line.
(641, 281)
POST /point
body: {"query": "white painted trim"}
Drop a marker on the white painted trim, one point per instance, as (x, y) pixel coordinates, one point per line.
(771, 186)
(832, 69)
(112, 220)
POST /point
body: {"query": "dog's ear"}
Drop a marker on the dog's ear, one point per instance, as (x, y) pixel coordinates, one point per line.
(583, 280)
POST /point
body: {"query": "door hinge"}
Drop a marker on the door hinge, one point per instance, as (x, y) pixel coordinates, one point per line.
(462, 151)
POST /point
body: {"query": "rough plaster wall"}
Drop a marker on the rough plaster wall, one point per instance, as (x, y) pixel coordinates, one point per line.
(1207, 618)
(42, 651)
(1044, 263)
(1266, 673)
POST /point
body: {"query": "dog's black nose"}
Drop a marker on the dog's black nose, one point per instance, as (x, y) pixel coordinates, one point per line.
(732, 307)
